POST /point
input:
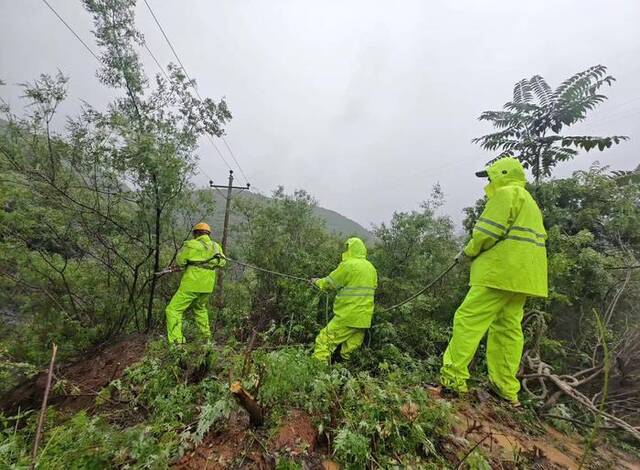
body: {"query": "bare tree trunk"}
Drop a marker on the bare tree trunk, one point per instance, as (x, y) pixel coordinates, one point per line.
(43, 409)
(156, 258)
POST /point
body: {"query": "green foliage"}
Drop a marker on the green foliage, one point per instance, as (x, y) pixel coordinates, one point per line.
(414, 248)
(288, 464)
(389, 421)
(410, 245)
(288, 377)
(557, 413)
(477, 461)
(91, 212)
(529, 125)
(85, 442)
(145, 419)
(11, 372)
(588, 234)
(211, 414)
(352, 447)
(283, 234)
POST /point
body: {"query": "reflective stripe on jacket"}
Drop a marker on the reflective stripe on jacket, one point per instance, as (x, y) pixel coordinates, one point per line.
(508, 240)
(355, 281)
(197, 257)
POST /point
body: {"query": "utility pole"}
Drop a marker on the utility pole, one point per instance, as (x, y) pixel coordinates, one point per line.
(225, 228)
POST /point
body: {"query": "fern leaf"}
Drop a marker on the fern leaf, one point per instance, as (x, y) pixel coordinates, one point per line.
(522, 92)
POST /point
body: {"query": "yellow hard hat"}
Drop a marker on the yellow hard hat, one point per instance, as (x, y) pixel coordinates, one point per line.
(202, 227)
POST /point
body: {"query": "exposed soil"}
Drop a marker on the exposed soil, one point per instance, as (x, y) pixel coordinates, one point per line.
(80, 381)
(232, 447)
(508, 441)
(237, 446)
(297, 434)
(502, 433)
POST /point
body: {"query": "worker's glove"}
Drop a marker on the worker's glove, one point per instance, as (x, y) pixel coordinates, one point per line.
(313, 281)
(218, 256)
(462, 258)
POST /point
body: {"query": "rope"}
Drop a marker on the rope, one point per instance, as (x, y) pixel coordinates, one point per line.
(422, 291)
(326, 295)
(287, 276)
(637, 266)
(264, 270)
(306, 280)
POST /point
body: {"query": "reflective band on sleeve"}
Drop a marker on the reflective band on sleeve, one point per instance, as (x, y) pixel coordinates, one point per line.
(524, 239)
(525, 229)
(491, 222)
(484, 230)
(356, 288)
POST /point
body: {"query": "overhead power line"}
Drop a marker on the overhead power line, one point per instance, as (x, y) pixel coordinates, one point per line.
(195, 88)
(234, 158)
(160, 67)
(166, 38)
(72, 31)
(163, 71)
(218, 151)
(86, 46)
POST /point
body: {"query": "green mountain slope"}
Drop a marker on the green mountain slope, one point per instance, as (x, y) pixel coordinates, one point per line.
(334, 221)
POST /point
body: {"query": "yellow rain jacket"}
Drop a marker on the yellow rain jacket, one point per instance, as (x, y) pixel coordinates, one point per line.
(508, 241)
(197, 256)
(355, 280)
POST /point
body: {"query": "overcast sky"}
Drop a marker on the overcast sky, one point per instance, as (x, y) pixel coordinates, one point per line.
(365, 104)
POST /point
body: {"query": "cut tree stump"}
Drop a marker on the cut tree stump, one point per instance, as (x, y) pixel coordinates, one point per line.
(256, 415)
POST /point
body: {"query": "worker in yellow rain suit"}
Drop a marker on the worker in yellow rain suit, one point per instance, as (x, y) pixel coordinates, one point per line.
(199, 257)
(508, 263)
(355, 281)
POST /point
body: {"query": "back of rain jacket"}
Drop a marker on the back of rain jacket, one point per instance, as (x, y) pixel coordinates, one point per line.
(197, 256)
(355, 281)
(508, 240)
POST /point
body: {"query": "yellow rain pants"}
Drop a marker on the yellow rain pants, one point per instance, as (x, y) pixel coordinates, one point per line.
(335, 334)
(197, 258)
(497, 313)
(181, 301)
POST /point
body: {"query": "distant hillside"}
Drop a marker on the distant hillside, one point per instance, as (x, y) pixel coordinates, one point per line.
(336, 223)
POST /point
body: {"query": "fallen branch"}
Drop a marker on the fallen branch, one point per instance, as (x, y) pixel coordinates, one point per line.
(577, 422)
(43, 409)
(567, 389)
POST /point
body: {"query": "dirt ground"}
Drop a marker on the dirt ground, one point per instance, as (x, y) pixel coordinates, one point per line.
(231, 446)
(237, 446)
(502, 433)
(507, 441)
(80, 380)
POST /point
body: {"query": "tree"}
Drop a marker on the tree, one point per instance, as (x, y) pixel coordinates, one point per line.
(157, 129)
(91, 211)
(282, 234)
(411, 250)
(530, 125)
